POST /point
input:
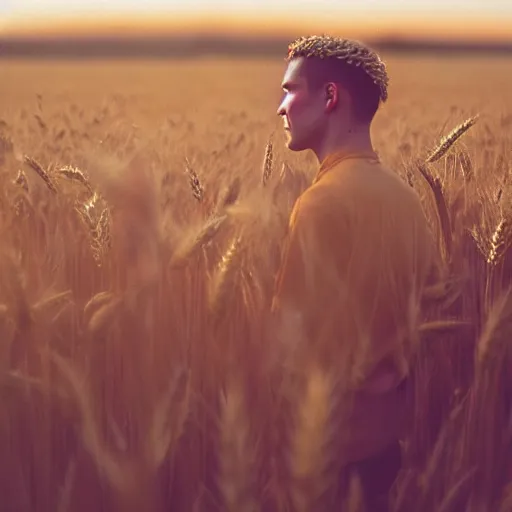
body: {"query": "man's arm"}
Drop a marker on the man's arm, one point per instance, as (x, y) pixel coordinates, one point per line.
(310, 276)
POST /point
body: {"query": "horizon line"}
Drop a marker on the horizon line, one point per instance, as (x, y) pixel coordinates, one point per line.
(130, 48)
(257, 26)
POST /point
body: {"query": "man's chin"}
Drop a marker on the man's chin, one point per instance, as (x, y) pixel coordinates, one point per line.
(294, 145)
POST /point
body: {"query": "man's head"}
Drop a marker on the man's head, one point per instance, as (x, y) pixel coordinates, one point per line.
(329, 83)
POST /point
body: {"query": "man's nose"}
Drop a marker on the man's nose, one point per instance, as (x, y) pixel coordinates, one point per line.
(280, 109)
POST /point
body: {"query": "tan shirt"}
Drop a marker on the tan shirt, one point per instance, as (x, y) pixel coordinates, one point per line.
(358, 254)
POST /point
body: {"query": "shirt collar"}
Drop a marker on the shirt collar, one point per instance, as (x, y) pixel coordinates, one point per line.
(332, 160)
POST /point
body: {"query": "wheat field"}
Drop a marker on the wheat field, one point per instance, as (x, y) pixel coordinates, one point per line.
(142, 210)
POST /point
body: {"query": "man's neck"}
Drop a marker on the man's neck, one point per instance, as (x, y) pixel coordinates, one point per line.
(356, 141)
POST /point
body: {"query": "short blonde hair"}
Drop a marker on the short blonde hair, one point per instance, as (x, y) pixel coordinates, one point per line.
(351, 52)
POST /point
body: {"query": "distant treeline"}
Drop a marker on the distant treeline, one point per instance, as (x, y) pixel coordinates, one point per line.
(187, 47)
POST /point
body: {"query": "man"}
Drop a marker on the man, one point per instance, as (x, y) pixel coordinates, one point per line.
(358, 254)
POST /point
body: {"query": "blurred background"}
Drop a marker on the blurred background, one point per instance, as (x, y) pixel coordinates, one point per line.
(117, 28)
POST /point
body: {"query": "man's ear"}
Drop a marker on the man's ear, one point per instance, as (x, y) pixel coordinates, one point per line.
(336, 96)
(331, 96)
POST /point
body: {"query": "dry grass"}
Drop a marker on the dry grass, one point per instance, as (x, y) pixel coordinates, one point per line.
(141, 233)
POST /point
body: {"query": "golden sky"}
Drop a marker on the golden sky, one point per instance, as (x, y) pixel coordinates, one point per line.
(451, 19)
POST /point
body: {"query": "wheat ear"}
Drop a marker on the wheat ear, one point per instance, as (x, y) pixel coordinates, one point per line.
(224, 276)
(199, 240)
(38, 168)
(447, 142)
(75, 174)
(21, 180)
(195, 183)
(500, 242)
(267, 163)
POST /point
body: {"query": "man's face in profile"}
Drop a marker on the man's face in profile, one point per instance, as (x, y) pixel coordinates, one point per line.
(302, 108)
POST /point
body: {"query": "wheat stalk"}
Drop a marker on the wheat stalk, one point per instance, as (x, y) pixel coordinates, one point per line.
(480, 241)
(195, 183)
(168, 420)
(21, 180)
(236, 455)
(104, 315)
(442, 208)
(223, 277)
(462, 488)
(488, 423)
(310, 443)
(41, 123)
(267, 163)
(75, 174)
(100, 236)
(447, 142)
(38, 168)
(466, 165)
(442, 290)
(199, 240)
(228, 197)
(51, 301)
(106, 462)
(504, 178)
(97, 301)
(500, 242)
(436, 460)
(98, 226)
(84, 215)
(442, 327)
(497, 330)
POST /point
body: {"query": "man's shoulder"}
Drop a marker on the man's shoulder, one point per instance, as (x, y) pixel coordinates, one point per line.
(369, 181)
(319, 204)
(355, 186)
